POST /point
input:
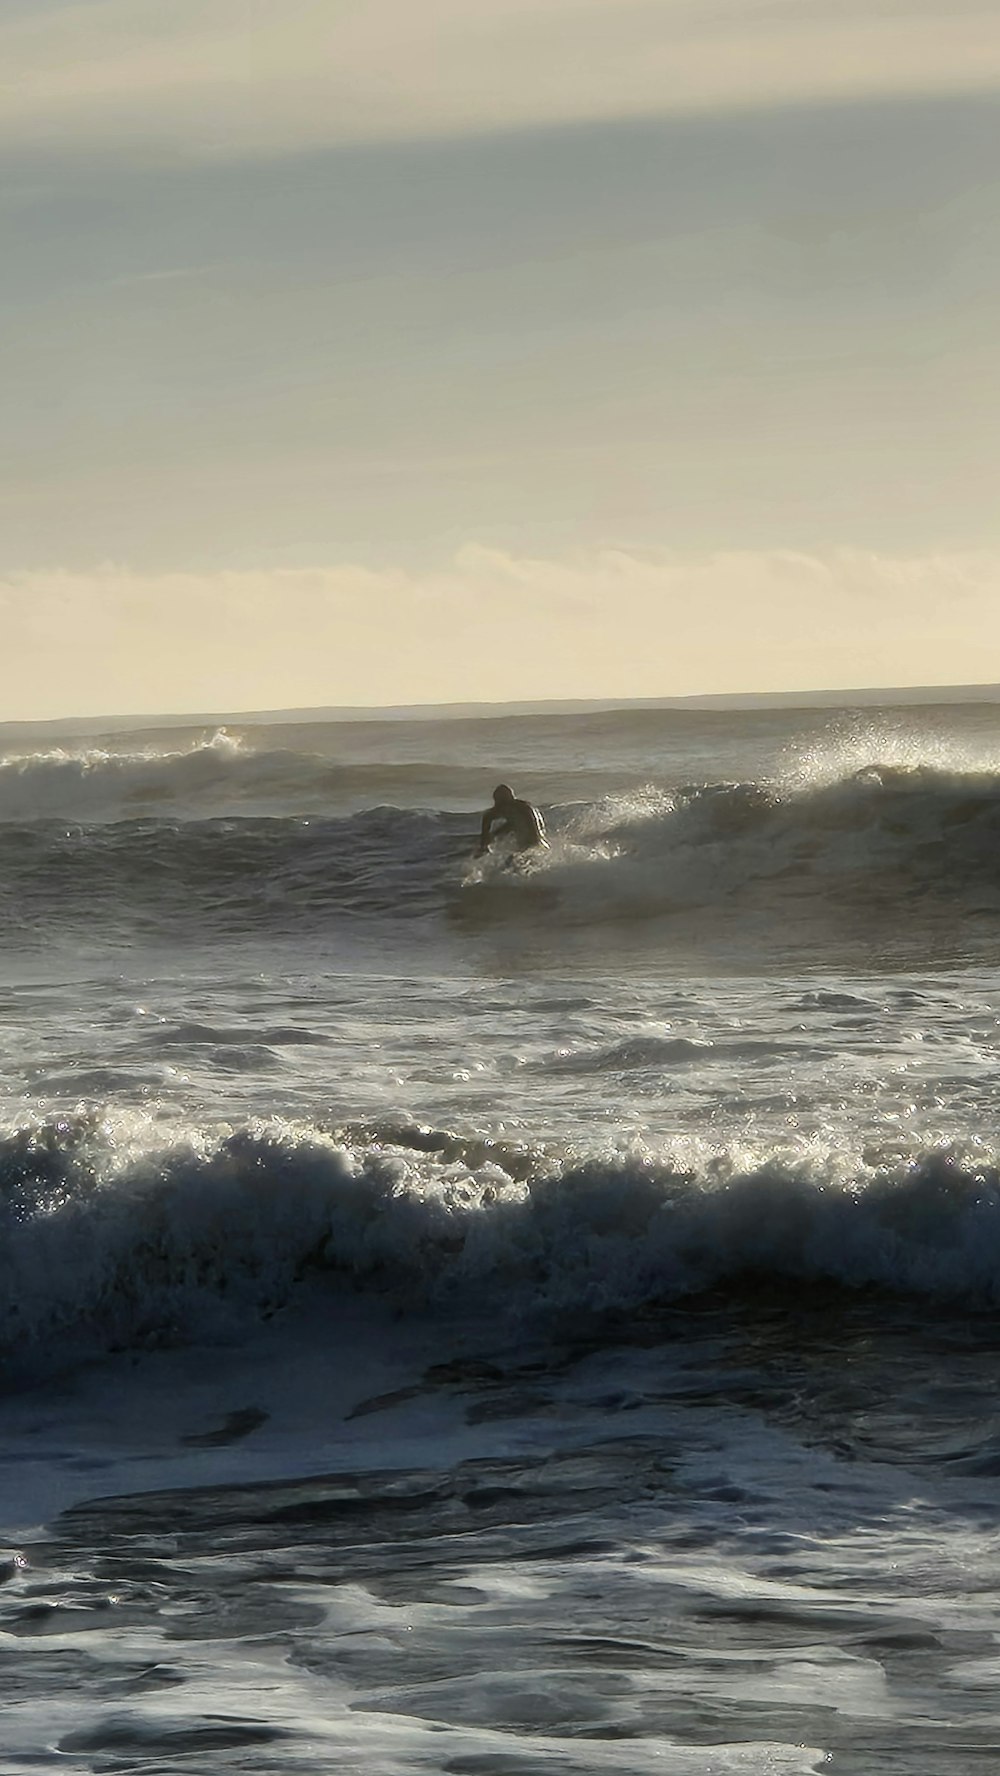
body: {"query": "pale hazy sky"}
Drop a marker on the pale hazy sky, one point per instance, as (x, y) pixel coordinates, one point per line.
(374, 351)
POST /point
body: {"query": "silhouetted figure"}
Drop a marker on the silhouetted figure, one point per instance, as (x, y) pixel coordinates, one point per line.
(517, 818)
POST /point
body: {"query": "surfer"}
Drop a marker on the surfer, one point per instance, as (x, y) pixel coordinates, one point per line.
(518, 818)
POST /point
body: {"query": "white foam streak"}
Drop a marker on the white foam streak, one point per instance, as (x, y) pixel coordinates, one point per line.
(110, 1241)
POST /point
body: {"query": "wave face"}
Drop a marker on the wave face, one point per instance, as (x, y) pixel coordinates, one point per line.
(904, 843)
(111, 1242)
(147, 879)
(883, 831)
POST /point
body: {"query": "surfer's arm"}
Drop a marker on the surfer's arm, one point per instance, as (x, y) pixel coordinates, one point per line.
(484, 832)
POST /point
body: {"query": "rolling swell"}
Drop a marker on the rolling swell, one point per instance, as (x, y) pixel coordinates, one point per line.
(921, 842)
(111, 1242)
(223, 776)
(220, 777)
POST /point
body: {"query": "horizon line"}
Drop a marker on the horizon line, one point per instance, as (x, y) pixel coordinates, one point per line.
(835, 697)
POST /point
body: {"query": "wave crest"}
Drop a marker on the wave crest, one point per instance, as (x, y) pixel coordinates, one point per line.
(218, 776)
(108, 1242)
(907, 846)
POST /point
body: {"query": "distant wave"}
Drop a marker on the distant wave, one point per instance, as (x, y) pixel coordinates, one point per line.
(111, 1242)
(217, 777)
(293, 769)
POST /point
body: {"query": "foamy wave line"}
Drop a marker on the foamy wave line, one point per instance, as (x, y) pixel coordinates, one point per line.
(222, 774)
(108, 1242)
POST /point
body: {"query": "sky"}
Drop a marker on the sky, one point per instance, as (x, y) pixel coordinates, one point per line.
(359, 352)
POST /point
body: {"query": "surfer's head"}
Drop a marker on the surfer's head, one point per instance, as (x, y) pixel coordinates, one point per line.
(503, 795)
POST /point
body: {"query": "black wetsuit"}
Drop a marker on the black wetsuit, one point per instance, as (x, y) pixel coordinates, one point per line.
(518, 818)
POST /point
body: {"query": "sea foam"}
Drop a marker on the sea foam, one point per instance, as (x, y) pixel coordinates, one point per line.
(113, 1239)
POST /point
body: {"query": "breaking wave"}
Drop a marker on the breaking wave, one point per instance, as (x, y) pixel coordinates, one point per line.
(111, 1242)
(897, 842)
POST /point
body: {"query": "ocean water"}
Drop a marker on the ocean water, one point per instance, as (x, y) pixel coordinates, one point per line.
(461, 1317)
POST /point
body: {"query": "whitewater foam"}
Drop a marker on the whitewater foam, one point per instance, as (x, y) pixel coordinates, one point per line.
(111, 1240)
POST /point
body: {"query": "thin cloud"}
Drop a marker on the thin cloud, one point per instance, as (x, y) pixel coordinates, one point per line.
(180, 77)
(493, 626)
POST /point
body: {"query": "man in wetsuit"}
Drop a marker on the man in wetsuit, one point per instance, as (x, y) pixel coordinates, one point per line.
(523, 822)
